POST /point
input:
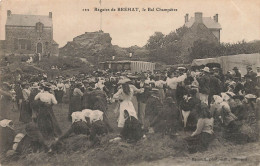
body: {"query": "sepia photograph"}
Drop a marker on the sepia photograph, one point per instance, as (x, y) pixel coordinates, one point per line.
(129, 83)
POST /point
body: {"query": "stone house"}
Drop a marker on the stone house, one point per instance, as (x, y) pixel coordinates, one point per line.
(29, 34)
(199, 28)
(212, 24)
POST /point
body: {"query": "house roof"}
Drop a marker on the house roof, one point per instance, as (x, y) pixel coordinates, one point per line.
(28, 20)
(208, 22)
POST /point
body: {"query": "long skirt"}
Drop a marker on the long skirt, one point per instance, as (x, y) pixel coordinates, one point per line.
(25, 113)
(171, 93)
(59, 95)
(161, 95)
(141, 113)
(47, 122)
(125, 105)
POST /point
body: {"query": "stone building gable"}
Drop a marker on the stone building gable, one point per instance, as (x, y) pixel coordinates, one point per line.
(198, 31)
(207, 21)
(29, 34)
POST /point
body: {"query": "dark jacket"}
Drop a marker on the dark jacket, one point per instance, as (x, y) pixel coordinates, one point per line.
(204, 82)
(252, 75)
(214, 86)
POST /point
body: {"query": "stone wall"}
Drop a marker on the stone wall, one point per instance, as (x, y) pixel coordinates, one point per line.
(55, 49)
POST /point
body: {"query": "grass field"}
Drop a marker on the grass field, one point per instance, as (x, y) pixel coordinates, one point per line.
(154, 150)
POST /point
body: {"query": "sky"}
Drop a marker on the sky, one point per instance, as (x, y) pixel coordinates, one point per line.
(240, 19)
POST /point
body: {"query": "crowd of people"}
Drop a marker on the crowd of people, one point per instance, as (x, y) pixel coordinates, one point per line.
(204, 101)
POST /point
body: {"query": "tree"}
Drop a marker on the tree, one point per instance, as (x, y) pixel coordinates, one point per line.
(155, 41)
(204, 49)
(181, 31)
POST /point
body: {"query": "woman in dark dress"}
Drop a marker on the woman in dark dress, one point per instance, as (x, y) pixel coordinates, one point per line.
(75, 100)
(132, 130)
(33, 141)
(203, 135)
(59, 92)
(34, 91)
(26, 112)
(46, 119)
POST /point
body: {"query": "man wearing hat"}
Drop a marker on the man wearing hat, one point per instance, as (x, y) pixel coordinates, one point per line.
(153, 107)
(204, 82)
(251, 74)
(237, 74)
(26, 112)
(214, 87)
(18, 94)
(34, 91)
(142, 98)
(249, 85)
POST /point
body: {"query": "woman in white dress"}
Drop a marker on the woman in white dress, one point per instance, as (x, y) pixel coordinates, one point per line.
(125, 95)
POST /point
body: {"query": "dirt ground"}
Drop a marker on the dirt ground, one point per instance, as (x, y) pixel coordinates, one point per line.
(155, 149)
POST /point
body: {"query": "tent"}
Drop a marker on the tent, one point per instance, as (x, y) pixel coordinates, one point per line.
(227, 63)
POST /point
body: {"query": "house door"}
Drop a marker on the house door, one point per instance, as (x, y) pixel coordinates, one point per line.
(39, 48)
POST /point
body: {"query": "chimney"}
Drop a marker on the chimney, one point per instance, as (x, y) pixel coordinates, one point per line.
(216, 17)
(9, 13)
(198, 17)
(50, 14)
(186, 17)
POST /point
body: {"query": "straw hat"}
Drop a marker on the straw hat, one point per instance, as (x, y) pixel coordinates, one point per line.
(124, 80)
(35, 85)
(181, 68)
(47, 85)
(250, 96)
(206, 69)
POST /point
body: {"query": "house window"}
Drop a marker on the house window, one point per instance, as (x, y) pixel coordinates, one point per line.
(29, 45)
(25, 44)
(39, 27)
(22, 43)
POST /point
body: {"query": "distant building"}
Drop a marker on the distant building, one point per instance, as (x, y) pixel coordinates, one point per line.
(199, 28)
(29, 34)
(212, 24)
